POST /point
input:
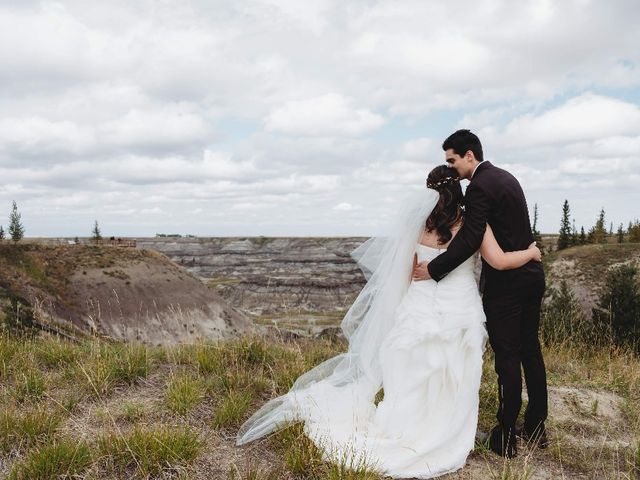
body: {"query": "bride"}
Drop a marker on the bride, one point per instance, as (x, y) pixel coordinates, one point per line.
(416, 344)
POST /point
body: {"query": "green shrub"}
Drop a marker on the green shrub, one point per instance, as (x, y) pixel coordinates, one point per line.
(562, 320)
(18, 316)
(618, 309)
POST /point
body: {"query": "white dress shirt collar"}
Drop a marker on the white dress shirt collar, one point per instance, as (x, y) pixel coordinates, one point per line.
(474, 170)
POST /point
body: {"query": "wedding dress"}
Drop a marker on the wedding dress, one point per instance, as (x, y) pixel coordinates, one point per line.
(421, 341)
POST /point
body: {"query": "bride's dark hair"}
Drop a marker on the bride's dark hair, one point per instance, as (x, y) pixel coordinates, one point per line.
(448, 211)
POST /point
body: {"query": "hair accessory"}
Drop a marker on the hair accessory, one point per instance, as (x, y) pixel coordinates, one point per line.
(443, 181)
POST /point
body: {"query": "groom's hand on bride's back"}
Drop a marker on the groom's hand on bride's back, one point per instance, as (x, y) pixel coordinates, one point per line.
(420, 271)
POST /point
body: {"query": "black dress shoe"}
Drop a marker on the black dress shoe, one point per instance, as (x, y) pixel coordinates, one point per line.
(501, 446)
(537, 438)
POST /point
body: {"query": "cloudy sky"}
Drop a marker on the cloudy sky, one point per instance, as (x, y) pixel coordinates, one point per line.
(315, 117)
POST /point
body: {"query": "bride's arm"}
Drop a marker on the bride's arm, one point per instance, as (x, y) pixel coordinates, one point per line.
(500, 260)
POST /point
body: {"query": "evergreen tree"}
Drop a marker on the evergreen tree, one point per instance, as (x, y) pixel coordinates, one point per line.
(1, 233)
(534, 230)
(564, 238)
(95, 233)
(611, 229)
(583, 236)
(620, 234)
(16, 230)
(634, 231)
(574, 234)
(619, 306)
(598, 233)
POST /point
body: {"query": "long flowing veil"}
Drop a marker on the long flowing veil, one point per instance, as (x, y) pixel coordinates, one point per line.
(386, 262)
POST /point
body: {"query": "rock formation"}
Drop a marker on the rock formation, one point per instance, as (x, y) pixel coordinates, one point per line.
(124, 293)
(285, 281)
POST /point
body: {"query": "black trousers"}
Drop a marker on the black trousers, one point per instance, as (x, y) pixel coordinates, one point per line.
(513, 320)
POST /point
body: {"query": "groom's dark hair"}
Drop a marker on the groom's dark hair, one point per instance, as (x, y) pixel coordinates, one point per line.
(462, 141)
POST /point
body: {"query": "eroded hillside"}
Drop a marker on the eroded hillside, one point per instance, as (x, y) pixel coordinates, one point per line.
(301, 284)
(306, 284)
(585, 268)
(124, 293)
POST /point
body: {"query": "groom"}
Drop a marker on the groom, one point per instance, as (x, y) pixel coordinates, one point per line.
(511, 298)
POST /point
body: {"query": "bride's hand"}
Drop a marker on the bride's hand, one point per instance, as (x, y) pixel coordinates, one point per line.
(536, 254)
(420, 271)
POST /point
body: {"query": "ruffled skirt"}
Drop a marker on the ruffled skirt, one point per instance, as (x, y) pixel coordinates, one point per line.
(431, 364)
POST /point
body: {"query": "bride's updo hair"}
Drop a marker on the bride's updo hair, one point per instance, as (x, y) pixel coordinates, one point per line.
(448, 211)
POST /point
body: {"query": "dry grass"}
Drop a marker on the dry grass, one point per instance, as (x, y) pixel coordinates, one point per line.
(152, 412)
(183, 393)
(146, 452)
(62, 458)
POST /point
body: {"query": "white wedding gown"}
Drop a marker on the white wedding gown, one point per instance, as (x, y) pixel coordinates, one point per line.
(431, 363)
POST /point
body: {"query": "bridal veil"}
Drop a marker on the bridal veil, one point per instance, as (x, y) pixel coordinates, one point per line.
(386, 262)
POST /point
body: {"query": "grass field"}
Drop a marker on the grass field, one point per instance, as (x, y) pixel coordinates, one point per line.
(98, 409)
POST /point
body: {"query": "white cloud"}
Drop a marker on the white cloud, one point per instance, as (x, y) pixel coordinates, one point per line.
(280, 111)
(345, 207)
(586, 117)
(40, 136)
(154, 128)
(326, 115)
(169, 126)
(398, 174)
(614, 146)
(421, 149)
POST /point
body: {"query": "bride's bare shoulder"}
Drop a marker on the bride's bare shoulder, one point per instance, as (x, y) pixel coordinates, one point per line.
(430, 239)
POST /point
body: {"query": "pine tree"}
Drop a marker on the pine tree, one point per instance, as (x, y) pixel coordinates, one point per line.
(583, 236)
(598, 233)
(1, 233)
(619, 305)
(634, 231)
(16, 230)
(620, 234)
(534, 230)
(95, 233)
(564, 238)
(574, 234)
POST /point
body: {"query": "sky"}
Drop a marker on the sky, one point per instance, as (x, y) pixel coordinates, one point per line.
(308, 118)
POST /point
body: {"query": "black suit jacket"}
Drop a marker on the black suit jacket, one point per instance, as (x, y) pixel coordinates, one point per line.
(495, 197)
